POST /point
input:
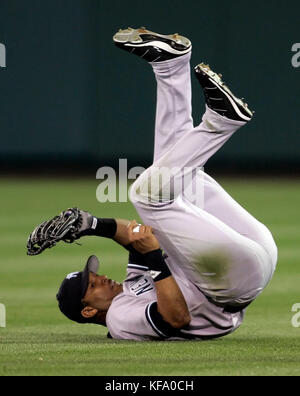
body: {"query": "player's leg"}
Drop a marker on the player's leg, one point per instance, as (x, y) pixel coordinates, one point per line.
(164, 180)
(227, 266)
(224, 115)
(174, 103)
(232, 266)
(221, 205)
(170, 58)
(215, 199)
(224, 263)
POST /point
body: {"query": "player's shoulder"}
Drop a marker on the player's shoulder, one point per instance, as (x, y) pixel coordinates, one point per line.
(126, 318)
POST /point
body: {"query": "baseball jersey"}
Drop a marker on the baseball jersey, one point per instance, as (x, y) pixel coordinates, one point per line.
(133, 314)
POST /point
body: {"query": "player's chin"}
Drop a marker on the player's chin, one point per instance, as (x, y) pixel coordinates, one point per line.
(115, 288)
(118, 289)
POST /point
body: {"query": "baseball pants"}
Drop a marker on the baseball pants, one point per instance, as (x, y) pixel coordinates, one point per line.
(207, 236)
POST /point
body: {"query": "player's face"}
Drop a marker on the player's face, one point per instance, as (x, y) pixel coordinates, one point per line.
(101, 291)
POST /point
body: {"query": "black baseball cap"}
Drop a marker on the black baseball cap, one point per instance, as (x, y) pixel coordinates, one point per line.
(73, 289)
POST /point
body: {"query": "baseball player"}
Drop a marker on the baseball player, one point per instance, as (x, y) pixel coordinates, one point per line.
(196, 265)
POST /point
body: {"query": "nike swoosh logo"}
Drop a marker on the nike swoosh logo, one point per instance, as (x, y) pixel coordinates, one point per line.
(160, 45)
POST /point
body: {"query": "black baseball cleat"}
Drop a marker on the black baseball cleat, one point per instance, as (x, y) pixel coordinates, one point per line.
(152, 47)
(218, 96)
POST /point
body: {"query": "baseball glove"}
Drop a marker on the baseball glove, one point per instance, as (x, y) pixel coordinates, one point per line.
(64, 227)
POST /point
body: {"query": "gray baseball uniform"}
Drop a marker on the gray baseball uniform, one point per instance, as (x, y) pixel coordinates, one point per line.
(218, 253)
(133, 314)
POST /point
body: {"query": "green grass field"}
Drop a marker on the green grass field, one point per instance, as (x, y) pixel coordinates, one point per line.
(38, 340)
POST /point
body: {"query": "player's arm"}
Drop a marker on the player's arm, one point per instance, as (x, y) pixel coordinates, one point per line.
(116, 229)
(171, 304)
(121, 236)
(73, 224)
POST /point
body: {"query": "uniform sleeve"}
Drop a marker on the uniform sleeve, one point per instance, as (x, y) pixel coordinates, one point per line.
(126, 320)
(162, 328)
(140, 321)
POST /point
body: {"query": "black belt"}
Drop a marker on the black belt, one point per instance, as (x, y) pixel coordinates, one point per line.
(228, 307)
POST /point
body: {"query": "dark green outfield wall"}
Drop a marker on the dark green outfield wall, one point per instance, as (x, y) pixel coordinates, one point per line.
(67, 93)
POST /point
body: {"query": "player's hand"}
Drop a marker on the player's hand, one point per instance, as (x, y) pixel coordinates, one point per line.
(142, 238)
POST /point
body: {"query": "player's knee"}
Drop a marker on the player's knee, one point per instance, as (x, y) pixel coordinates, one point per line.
(133, 192)
(139, 191)
(269, 244)
(272, 249)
